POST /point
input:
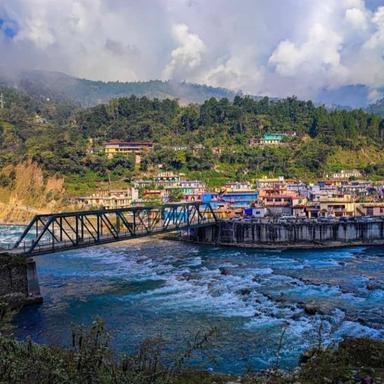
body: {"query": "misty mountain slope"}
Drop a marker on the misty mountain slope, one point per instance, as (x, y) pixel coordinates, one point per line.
(60, 86)
(377, 108)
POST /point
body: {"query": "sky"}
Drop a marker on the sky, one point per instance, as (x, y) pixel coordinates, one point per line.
(262, 47)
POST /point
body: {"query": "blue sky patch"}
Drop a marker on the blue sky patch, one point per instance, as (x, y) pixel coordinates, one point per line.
(8, 27)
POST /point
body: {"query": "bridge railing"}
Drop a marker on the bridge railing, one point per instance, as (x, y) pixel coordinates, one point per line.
(69, 230)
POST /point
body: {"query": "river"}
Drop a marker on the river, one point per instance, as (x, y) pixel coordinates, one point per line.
(151, 288)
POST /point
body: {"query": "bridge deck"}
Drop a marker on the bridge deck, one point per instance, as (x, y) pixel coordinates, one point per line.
(72, 230)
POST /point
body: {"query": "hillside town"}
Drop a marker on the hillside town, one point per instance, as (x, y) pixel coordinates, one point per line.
(342, 194)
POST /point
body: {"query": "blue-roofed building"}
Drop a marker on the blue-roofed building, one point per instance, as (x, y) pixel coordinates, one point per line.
(239, 199)
(271, 139)
(267, 139)
(238, 195)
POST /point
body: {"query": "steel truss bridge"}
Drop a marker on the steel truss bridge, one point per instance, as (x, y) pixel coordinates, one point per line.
(71, 230)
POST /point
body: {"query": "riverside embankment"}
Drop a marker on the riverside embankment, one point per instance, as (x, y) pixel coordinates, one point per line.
(292, 233)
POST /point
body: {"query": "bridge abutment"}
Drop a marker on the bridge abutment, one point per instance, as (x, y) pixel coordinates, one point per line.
(19, 284)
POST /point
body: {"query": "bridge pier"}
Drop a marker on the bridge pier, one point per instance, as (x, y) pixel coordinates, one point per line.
(33, 287)
(19, 284)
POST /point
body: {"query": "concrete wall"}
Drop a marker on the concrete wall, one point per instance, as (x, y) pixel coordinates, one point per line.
(19, 276)
(13, 278)
(290, 234)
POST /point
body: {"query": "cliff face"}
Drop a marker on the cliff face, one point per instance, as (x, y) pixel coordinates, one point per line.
(30, 193)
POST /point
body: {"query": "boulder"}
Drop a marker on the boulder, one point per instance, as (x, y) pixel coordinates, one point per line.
(245, 291)
(310, 309)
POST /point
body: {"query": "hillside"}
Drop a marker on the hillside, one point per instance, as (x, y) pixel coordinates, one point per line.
(60, 87)
(28, 192)
(208, 141)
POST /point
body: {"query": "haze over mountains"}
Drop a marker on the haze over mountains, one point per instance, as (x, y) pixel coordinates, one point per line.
(57, 85)
(60, 86)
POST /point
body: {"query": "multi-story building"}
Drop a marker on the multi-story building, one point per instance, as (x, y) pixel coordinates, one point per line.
(370, 209)
(272, 184)
(192, 190)
(234, 186)
(340, 205)
(345, 174)
(115, 147)
(168, 179)
(267, 139)
(114, 198)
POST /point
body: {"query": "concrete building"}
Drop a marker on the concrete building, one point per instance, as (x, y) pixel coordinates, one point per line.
(114, 198)
(115, 147)
(271, 184)
(341, 205)
(234, 186)
(271, 139)
(345, 174)
(168, 179)
(370, 209)
(192, 190)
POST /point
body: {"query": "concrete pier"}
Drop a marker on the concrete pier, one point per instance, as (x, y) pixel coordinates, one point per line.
(293, 234)
(19, 284)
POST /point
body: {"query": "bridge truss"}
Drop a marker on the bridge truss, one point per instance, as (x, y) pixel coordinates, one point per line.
(71, 230)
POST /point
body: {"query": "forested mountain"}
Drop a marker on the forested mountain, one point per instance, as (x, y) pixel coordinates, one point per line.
(60, 87)
(210, 141)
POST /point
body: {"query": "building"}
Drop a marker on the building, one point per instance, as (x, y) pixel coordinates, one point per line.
(116, 147)
(154, 196)
(168, 179)
(257, 211)
(278, 205)
(337, 206)
(239, 199)
(370, 209)
(346, 174)
(298, 188)
(358, 188)
(271, 184)
(114, 198)
(267, 139)
(217, 150)
(177, 148)
(192, 190)
(237, 186)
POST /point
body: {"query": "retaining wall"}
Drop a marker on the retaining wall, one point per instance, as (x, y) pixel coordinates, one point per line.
(292, 234)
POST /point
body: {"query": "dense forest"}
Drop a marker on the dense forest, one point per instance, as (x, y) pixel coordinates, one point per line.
(209, 141)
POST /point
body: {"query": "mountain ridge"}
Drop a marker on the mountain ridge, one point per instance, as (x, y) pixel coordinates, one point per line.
(60, 86)
(87, 93)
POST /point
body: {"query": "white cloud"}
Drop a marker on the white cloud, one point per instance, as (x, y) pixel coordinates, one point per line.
(187, 56)
(319, 55)
(357, 18)
(269, 47)
(238, 73)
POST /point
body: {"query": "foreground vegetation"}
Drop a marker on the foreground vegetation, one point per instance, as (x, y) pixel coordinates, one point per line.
(90, 360)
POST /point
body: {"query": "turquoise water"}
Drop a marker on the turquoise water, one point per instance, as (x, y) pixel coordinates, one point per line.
(149, 288)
